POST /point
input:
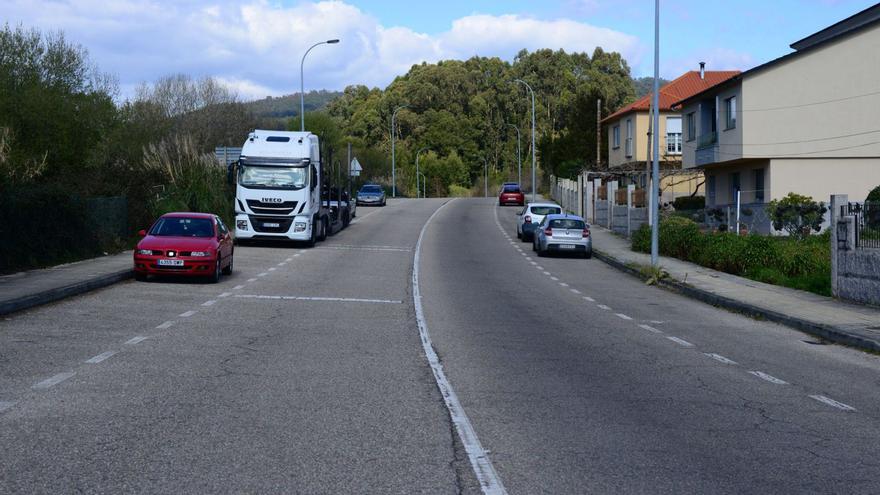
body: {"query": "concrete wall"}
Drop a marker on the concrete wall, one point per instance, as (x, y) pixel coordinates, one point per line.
(619, 223)
(820, 177)
(602, 212)
(858, 276)
(637, 218)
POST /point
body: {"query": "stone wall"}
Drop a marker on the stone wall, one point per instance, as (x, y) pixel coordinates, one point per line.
(858, 275)
(619, 222)
(602, 212)
(637, 218)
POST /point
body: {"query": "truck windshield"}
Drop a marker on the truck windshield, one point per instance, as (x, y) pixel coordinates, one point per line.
(273, 177)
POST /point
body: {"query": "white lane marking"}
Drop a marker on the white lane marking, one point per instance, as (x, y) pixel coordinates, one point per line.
(606, 308)
(356, 220)
(297, 254)
(522, 253)
(282, 263)
(769, 378)
(187, 314)
(563, 284)
(529, 258)
(588, 298)
(238, 287)
(209, 303)
(554, 279)
(165, 325)
(546, 272)
(534, 264)
(225, 294)
(55, 380)
(480, 462)
(262, 274)
(328, 299)
(623, 316)
(366, 248)
(135, 340)
(272, 269)
(100, 357)
(575, 291)
(6, 404)
(720, 358)
(656, 322)
(681, 342)
(540, 267)
(251, 280)
(821, 398)
(289, 260)
(649, 328)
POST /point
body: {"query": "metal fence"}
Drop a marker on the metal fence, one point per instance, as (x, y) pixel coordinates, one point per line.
(867, 216)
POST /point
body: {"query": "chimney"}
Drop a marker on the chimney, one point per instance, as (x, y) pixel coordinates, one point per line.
(702, 70)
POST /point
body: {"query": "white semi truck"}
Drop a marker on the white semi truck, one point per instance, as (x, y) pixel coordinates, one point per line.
(278, 188)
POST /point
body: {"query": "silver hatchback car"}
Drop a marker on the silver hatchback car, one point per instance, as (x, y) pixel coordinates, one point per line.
(563, 234)
(529, 217)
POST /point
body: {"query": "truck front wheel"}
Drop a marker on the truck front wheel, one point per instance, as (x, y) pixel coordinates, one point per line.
(323, 236)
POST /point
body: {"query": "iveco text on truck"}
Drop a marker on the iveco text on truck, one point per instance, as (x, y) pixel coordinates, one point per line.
(278, 188)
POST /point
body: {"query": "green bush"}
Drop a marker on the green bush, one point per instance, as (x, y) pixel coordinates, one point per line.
(788, 261)
(796, 214)
(689, 203)
(874, 195)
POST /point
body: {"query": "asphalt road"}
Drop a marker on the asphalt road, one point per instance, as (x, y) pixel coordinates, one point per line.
(305, 372)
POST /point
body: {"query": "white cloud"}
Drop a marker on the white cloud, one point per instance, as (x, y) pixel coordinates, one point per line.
(256, 47)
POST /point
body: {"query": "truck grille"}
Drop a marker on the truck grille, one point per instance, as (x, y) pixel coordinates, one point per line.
(285, 208)
(259, 224)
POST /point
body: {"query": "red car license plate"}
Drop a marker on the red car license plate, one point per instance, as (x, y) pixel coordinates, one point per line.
(170, 262)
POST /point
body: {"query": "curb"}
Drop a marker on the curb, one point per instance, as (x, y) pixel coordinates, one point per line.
(58, 293)
(833, 334)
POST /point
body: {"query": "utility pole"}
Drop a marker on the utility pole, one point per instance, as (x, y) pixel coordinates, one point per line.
(598, 133)
(648, 178)
(655, 184)
(534, 175)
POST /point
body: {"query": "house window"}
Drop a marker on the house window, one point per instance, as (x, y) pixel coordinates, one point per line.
(710, 190)
(629, 140)
(673, 135)
(692, 126)
(730, 112)
(759, 185)
(615, 137)
(734, 186)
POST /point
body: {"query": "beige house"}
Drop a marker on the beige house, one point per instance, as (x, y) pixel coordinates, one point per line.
(806, 122)
(628, 135)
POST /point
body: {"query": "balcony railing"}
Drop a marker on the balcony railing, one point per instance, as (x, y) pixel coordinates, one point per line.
(707, 139)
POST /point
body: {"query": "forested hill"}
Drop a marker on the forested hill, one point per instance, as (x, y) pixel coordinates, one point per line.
(288, 105)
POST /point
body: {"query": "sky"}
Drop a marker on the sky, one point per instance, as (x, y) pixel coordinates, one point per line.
(256, 46)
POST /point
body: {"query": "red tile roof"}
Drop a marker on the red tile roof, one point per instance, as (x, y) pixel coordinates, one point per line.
(685, 86)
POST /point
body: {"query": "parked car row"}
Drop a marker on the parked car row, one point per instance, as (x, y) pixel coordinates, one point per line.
(551, 230)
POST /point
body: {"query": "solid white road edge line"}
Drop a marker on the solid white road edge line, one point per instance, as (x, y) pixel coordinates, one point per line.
(490, 483)
(55, 380)
(100, 357)
(769, 378)
(821, 398)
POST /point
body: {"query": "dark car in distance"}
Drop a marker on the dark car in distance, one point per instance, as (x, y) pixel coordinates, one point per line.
(511, 194)
(371, 195)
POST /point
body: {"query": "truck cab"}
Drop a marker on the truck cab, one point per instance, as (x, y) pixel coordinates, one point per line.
(278, 188)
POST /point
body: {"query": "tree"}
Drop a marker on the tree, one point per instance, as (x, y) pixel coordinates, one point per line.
(796, 214)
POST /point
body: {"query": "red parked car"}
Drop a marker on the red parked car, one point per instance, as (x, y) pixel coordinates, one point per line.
(511, 194)
(191, 244)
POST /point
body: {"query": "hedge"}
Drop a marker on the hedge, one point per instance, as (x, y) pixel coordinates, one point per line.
(804, 264)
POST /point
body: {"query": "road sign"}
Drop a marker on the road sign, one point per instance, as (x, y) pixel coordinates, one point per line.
(355, 168)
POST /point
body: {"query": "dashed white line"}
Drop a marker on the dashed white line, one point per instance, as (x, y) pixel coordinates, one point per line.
(649, 328)
(209, 303)
(588, 298)
(289, 259)
(554, 279)
(100, 357)
(529, 258)
(720, 358)
(55, 380)
(251, 280)
(769, 378)
(681, 342)
(262, 274)
(225, 294)
(533, 264)
(563, 284)
(602, 306)
(545, 272)
(297, 254)
(540, 267)
(575, 291)
(6, 404)
(165, 325)
(622, 316)
(272, 269)
(187, 314)
(238, 287)
(282, 263)
(821, 398)
(135, 340)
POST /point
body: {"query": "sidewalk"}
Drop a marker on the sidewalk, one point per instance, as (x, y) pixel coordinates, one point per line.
(831, 319)
(28, 289)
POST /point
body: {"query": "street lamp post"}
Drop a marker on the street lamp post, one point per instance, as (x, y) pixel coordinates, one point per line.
(393, 165)
(518, 155)
(302, 84)
(417, 169)
(655, 169)
(486, 177)
(424, 185)
(534, 178)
